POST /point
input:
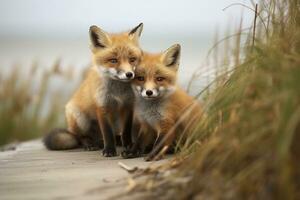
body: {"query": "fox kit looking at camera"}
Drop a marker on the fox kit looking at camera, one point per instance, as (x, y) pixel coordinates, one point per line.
(104, 95)
(161, 106)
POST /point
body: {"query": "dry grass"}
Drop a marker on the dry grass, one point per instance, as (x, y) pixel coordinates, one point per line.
(29, 102)
(248, 145)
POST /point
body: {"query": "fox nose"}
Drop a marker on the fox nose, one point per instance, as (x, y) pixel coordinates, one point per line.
(149, 92)
(129, 74)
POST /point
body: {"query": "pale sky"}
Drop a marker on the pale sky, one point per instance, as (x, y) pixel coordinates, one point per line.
(59, 18)
(45, 30)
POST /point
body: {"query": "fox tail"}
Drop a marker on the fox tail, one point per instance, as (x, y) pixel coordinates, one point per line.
(60, 139)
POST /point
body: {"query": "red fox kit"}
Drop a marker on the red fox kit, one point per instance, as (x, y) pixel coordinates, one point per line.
(104, 95)
(159, 102)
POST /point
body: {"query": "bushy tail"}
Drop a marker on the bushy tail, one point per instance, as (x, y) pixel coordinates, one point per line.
(60, 139)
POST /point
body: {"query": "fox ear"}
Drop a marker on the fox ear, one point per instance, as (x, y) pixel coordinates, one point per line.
(136, 32)
(98, 37)
(171, 56)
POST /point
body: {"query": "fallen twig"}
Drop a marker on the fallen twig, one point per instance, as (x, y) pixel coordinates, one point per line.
(127, 168)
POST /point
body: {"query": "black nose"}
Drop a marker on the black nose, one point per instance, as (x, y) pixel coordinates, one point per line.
(149, 92)
(129, 74)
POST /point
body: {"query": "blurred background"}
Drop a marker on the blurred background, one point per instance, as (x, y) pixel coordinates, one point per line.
(44, 49)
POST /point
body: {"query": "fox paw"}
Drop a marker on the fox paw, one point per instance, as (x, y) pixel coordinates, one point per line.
(153, 157)
(131, 154)
(91, 148)
(109, 152)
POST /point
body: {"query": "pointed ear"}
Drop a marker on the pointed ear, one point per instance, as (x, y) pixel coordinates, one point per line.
(98, 37)
(136, 32)
(171, 56)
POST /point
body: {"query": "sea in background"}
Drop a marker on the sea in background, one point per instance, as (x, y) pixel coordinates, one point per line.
(75, 53)
(43, 32)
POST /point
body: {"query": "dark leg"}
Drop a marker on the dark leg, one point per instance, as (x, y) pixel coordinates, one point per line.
(157, 147)
(162, 141)
(109, 141)
(127, 128)
(135, 150)
(148, 148)
(92, 140)
(108, 136)
(119, 140)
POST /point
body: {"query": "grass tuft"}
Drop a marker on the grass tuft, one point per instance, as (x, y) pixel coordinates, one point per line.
(248, 145)
(29, 103)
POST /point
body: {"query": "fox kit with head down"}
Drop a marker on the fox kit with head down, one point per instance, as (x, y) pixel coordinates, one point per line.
(104, 95)
(160, 103)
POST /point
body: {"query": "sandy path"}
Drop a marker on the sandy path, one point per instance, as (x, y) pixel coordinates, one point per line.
(32, 172)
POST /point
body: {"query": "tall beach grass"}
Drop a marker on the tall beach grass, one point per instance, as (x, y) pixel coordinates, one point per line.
(30, 101)
(248, 145)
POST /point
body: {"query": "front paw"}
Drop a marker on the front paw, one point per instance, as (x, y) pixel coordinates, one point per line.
(131, 153)
(109, 152)
(153, 157)
(148, 158)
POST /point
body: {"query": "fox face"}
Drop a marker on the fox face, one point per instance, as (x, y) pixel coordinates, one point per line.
(156, 74)
(116, 55)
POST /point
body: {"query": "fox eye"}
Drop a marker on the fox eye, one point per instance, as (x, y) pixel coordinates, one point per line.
(140, 78)
(113, 60)
(159, 79)
(132, 59)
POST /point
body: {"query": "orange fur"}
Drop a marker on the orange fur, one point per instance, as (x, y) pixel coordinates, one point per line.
(113, 56)
(170, 112)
